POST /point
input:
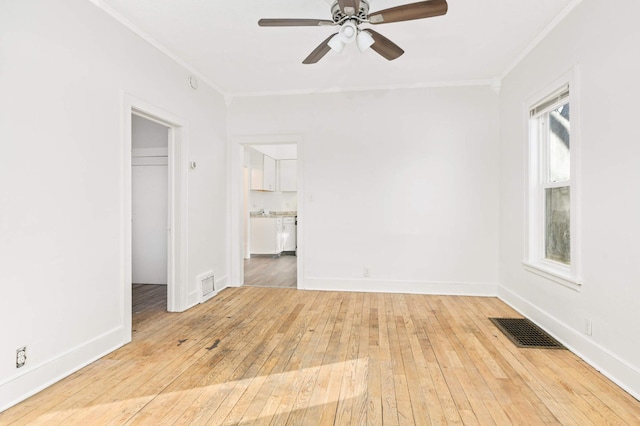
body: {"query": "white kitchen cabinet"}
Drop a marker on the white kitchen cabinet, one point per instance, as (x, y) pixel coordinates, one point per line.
(266, 235)
(263, 172)
(269, 181)
(288, 175)
(257, 169)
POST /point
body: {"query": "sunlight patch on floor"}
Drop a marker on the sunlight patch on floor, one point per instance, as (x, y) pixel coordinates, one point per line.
(278, 394)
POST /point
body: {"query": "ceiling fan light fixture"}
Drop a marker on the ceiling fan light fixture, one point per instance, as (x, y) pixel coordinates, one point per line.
(349, 14)
(336, 43)
(364, 40)
(348, 32)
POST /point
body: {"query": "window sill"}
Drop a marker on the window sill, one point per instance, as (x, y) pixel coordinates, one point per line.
(553, 273)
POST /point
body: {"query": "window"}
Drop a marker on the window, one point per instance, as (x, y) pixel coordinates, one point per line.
(551, 248)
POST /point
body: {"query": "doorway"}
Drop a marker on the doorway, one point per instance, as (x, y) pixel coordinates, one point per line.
(270, 213)
(175, 189)
(150, 215)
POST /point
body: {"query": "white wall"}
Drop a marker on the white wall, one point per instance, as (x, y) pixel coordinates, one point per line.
(273, 201)
(279, 151)
(147, 134)
(403, 182)
(603, 40)
(65, 65)
(149, 201)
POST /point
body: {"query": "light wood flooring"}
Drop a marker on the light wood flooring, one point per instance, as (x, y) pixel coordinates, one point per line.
(267, 271)
(278, 356)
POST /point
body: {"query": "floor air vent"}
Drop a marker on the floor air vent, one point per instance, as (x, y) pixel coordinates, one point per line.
(525, 334)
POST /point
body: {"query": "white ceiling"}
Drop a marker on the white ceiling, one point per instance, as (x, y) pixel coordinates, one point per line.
(476, 42)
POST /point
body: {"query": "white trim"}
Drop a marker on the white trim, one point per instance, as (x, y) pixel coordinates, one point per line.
(551, 102)
(37, 377)
(543, 35)
(556, 274)
(533, 261)
(221, 283)
(576, 177)
(410, 287)
(618, 370)
(177, 210)
(423, 85)
(267, 139)
(230, 95)
(177, 300)
(126, 217)
(494, 83)
(236, 219)
(555, 185)
(155, 43)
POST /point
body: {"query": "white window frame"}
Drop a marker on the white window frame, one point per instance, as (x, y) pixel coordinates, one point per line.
(534, 254)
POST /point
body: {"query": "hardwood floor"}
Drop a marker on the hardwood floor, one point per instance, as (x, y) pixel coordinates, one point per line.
(267, 271)
(278, 356)
(148, 301)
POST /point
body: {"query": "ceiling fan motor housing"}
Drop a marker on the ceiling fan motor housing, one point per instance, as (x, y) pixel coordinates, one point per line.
(339, 17)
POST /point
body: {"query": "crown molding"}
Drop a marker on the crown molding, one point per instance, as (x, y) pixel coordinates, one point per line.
(155, 43)
(556, 21)
(435, 84)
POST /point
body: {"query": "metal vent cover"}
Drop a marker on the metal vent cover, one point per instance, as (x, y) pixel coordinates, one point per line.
(525, 334)
(207, 286)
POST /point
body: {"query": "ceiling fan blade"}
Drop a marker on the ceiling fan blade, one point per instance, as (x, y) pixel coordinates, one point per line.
(407, 12)
(319, 52)
(349, 7)
(294, 22)
(385, 47)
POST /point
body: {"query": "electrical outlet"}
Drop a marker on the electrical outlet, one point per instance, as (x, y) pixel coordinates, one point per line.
(588, 327)
(21, 357)
(365, 271)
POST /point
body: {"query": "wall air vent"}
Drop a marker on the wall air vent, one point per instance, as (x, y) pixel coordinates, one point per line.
(207, 286)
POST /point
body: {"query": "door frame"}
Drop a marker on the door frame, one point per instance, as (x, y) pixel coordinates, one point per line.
(237, 144)
(177, 204)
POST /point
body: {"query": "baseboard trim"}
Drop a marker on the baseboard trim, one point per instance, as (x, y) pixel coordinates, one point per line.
(193, 298)
(616, 369)
(222, 283)
(410, 287)
(38, 377)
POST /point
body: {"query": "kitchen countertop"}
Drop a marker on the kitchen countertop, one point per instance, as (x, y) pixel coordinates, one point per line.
(275, 214)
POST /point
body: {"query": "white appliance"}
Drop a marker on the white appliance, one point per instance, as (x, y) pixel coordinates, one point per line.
(266, 235)
(289, 234)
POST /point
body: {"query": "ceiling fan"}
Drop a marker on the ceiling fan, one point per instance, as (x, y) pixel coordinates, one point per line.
(349, 14)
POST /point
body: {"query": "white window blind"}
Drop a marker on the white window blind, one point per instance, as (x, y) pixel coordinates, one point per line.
(550, 102)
